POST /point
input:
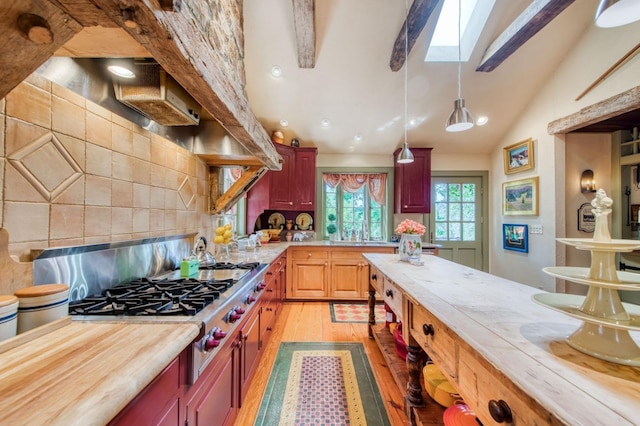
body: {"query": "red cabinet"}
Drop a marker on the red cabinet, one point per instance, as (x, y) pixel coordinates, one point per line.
(291, 189)
(413, 183)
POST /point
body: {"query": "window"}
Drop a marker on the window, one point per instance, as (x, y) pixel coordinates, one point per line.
(348, 199)
(455, 212)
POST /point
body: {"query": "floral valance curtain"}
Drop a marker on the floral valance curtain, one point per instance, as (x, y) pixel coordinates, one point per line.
(351, 182)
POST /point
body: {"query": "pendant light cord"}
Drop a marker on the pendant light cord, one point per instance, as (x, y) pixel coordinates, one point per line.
(459, 50)
(406, 66)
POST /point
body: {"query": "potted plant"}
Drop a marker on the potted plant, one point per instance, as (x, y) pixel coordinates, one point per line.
(331, 227)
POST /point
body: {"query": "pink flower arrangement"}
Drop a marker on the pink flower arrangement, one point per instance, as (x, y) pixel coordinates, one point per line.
(408, 226)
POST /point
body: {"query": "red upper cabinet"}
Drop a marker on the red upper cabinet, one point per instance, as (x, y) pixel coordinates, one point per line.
(305, 179)
(281, 188)
(413, 182)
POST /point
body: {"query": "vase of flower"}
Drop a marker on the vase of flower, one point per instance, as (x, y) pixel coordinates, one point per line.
(410, 246)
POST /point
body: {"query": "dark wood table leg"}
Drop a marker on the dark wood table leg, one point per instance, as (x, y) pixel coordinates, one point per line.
(372, 312)
(415, 362)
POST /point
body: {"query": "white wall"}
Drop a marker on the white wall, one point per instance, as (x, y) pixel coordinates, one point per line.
(596, 51)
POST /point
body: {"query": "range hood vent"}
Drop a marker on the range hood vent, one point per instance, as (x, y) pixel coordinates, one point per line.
(157, 96)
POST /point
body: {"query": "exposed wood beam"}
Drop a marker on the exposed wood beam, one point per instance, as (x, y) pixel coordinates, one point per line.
(304, 12)
(611, 107)
(24, 48)
(183, 51)
(417, 18)
(532, 20)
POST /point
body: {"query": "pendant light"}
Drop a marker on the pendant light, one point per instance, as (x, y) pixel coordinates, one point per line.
(406, 156)
(460, 119)
(614, 13)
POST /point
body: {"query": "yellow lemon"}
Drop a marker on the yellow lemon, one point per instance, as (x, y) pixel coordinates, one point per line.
(228, 226)
(228, 234)
(219, 239)
(227, 240)
(220, 230)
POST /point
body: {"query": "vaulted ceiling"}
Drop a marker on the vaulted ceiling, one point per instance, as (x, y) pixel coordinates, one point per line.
(348, 77)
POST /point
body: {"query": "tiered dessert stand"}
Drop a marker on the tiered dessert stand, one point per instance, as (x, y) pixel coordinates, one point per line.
(606, 320)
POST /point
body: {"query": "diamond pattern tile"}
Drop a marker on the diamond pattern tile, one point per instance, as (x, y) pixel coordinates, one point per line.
(187, 195)
(47, 165)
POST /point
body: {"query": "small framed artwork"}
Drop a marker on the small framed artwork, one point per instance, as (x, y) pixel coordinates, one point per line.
(518, 157)
(515, 237)
(586, 218)
(520, 197)
(634, 213)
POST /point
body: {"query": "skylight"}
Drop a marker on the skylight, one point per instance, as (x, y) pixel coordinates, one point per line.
(444, 43)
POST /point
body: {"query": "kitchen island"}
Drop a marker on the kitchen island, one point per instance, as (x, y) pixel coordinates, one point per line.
(502, 351)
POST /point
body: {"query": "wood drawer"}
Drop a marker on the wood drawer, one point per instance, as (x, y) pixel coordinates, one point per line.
(392, 297)
(439, 343)
(479, 383)
(309, 254)
(376, 280)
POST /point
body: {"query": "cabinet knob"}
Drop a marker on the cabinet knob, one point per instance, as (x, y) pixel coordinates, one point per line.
(374, 277)
(427, 329)
(500, 411)
(290, 203)
(406, 206)
(389, 293)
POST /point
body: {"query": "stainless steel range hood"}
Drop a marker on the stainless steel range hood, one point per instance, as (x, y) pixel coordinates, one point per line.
(209, 140)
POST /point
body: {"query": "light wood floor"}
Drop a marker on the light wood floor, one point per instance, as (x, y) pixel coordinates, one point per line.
(311, 322)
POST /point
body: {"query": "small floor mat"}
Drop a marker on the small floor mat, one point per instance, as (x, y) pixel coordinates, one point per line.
(321, 384)
(355, 312)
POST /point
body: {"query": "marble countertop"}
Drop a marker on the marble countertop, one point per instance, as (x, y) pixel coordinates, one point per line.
(524, 340)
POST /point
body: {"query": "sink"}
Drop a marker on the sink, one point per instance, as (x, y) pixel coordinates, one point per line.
(360, 243)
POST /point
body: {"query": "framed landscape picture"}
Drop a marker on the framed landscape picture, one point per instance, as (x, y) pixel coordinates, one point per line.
(520, 197)
(515, 237)
(518, 157)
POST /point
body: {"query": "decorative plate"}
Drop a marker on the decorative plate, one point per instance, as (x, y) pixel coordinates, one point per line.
(276, 220)
(304, 221)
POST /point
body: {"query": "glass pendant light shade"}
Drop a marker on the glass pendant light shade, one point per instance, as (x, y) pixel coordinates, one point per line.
(614, 13)
(460, 119)
(406, 156)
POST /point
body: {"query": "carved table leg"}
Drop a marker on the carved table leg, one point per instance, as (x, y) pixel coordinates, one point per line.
(372, 312)
(415, 361)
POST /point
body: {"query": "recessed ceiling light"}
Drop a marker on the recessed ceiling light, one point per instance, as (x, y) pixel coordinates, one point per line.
(276, 71)
(325, 122)
(121, 71)
(284, 123)
(357, 137)
(481, 121)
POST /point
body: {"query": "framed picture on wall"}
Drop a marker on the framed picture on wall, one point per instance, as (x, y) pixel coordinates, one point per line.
(515, 237)
(518, 157)
(520, 197)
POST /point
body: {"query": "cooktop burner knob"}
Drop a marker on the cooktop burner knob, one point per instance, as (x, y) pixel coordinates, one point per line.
(239, 311)
(219, 334)
(211, 343)
(250, 299)
(261, 286)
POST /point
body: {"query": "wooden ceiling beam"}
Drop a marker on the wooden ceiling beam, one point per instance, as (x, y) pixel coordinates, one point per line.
(533, 19)
(417, 18)
(304, 12)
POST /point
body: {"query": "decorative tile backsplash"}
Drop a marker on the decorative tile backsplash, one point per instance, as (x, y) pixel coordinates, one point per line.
(73, 173)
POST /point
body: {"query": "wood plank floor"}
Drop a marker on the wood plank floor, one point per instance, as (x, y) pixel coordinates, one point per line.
(311, 322)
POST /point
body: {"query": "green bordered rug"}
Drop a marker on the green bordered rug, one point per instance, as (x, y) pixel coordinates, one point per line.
(322, 383)
(355, 312)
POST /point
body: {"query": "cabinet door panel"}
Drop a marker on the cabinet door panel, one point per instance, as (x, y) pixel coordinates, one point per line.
(309, 279)
(281, 185)
(413, 183)
(305, 179)
(250, 335)
(346, 278)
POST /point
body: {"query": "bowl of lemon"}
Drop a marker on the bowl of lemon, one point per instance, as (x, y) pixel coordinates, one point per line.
(222, 241)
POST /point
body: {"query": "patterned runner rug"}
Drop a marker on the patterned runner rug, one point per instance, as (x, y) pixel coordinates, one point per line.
(355, 312)
(321, 384)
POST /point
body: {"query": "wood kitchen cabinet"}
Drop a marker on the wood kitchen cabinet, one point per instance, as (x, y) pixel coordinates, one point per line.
(412, 183)
(249, 351)
(323, 273)
(291, 189)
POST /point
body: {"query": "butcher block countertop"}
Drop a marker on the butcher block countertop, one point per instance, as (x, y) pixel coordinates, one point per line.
(496, 321)
(83, 373)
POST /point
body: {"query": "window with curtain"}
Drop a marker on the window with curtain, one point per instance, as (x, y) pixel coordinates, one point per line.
(358, 202)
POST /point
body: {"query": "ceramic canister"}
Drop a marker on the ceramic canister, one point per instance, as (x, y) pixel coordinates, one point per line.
(41, 304)
(8, 316)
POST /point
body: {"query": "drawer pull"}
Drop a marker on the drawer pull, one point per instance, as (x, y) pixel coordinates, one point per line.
(427, 329)
(374, 277)
(389, 293)
(500, 411)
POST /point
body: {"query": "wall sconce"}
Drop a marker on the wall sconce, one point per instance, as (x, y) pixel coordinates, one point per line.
(587, 182)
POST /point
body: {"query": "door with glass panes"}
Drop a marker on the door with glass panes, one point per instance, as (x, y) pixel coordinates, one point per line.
(456, 219)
